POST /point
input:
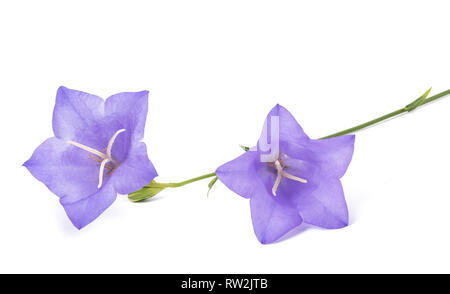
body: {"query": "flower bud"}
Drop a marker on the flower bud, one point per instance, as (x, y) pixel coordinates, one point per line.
(147, 191)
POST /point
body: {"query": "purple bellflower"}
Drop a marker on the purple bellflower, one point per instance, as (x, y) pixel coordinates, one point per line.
(299, 181)
(96, 152)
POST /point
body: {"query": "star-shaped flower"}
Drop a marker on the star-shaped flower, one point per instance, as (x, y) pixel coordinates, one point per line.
(96, 151)
(300, 181)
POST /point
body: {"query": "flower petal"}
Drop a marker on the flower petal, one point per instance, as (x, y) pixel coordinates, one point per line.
(289, 129)
(322, 205)
(272, 217)
(65, 169)
(76, 113)
(130, 108)
(333, 154)
(135, 172)
(240, 175)
(84, 211)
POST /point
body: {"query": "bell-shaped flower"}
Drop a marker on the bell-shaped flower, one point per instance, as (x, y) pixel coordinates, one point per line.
(96, 152)
(298, 181)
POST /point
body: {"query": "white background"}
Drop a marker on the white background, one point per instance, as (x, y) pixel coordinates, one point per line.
(214, 69)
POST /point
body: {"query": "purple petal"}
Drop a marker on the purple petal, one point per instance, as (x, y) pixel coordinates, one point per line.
(84, 211)
(322, 204)
(333, 154)
(76, 113)
(272, 217)
(320, 201)
(65, 169)
(135, 172)
(241, 174)
(289, 129)
(130, 108)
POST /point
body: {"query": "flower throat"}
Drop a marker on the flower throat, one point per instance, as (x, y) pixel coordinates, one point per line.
(103, 158)
(279, 166)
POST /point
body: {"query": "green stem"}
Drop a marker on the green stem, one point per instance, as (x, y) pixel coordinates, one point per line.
(407, 108)
(153, 188)
(366, 124)
(174, 185)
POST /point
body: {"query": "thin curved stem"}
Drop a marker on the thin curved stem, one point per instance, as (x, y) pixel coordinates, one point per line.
(174, 185)
(387, 116)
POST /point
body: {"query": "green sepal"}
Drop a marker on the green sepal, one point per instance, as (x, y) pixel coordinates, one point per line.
(245, 148)
(211, 184)
(419, 101)
(146, 192)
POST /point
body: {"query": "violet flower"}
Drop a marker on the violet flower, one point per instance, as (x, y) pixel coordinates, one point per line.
(300, 183)
(96, 152)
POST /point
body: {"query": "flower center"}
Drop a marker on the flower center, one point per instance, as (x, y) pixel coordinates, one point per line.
(103, 158)
(279, 166)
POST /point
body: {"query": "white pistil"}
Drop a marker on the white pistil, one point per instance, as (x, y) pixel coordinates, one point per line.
(280, 174)
(89, 149)
(106, 157)
(111, 142)
(292, 177)
(102, 168)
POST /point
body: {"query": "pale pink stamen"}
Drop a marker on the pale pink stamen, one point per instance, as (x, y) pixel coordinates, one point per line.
(281, 173)
(279, 176)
